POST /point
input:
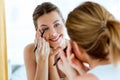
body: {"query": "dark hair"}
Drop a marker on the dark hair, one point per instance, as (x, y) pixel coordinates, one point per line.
(42, 9)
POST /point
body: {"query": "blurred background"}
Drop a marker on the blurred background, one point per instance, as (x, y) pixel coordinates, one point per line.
(21, 31)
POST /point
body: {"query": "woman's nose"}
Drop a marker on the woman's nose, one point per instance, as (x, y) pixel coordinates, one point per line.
(53, 33)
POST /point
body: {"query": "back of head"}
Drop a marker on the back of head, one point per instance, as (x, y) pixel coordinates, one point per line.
(88, 25)
(42, 9)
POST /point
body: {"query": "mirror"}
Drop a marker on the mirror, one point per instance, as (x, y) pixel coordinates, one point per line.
(20, 28)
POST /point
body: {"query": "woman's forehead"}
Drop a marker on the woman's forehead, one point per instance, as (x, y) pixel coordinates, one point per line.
(49, 18)
(52, 16)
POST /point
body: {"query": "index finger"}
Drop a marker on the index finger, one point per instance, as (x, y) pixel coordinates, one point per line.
(69, 48)
(38, 34)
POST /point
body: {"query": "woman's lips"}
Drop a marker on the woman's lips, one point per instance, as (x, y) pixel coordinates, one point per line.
(56, 38)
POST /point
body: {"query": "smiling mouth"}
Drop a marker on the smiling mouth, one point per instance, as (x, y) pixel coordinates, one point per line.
(56, 38)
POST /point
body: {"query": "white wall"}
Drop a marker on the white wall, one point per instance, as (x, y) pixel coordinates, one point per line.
(20, 28)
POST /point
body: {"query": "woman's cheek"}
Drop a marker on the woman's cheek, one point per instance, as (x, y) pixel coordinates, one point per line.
(46, 37)
(61, 30)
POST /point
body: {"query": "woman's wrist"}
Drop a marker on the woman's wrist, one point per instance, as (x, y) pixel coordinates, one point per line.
(43, 59)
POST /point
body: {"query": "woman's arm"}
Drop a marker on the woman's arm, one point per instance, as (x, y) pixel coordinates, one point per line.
(43, 51)
(53, 72)
(35, 71)
(42, 69)
(30, 62)
(65, 67)
(69, 63)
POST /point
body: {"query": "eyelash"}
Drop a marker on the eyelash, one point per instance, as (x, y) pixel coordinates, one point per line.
(45, 29)
(57, 24)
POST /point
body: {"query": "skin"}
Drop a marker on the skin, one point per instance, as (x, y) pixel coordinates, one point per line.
(73, 66)
(54, 27)
(53, 38)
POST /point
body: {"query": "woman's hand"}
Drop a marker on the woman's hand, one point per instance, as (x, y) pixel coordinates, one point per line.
(69, 64)
(42, 53)
(43, 49)
(75, 62)
(53, 71)
(64, 64)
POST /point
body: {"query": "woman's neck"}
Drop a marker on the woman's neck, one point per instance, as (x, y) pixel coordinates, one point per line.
(94, 63)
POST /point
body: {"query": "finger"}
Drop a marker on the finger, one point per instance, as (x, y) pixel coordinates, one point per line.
(39, 46)
(60, 62)
(60, 65)
(71, 58)
(78, 65)
(69, 49)
(37, 40)
(43, 46)
(78, 69)
(47, 48)
(56, 52)
(62, 55)
(38, 35)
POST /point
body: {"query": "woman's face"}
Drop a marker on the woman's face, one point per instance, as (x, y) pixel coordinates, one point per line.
(54, 28)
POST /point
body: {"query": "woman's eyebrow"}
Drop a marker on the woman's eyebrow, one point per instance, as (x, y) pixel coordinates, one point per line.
(55, 21)
(43, 25)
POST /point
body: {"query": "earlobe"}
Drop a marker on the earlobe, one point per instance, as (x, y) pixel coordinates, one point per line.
(80, 53)
(77, 47)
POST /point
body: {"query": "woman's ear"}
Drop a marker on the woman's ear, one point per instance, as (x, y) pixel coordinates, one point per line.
(77, 50)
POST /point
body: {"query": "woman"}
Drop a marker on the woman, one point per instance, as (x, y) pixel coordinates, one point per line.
(95, 36)
(40, 56)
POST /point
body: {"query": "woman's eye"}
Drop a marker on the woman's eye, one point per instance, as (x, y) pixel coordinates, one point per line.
(44, 29)
(57, 24)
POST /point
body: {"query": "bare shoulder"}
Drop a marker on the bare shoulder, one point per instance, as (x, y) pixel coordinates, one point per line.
(87, 77)
(29, 48)
(29, 51)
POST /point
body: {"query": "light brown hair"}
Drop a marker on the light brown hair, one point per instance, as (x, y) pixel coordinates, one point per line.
(42, 9)
(95, 30)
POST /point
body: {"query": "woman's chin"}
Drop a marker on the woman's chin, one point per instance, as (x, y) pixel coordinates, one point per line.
(61, 45)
